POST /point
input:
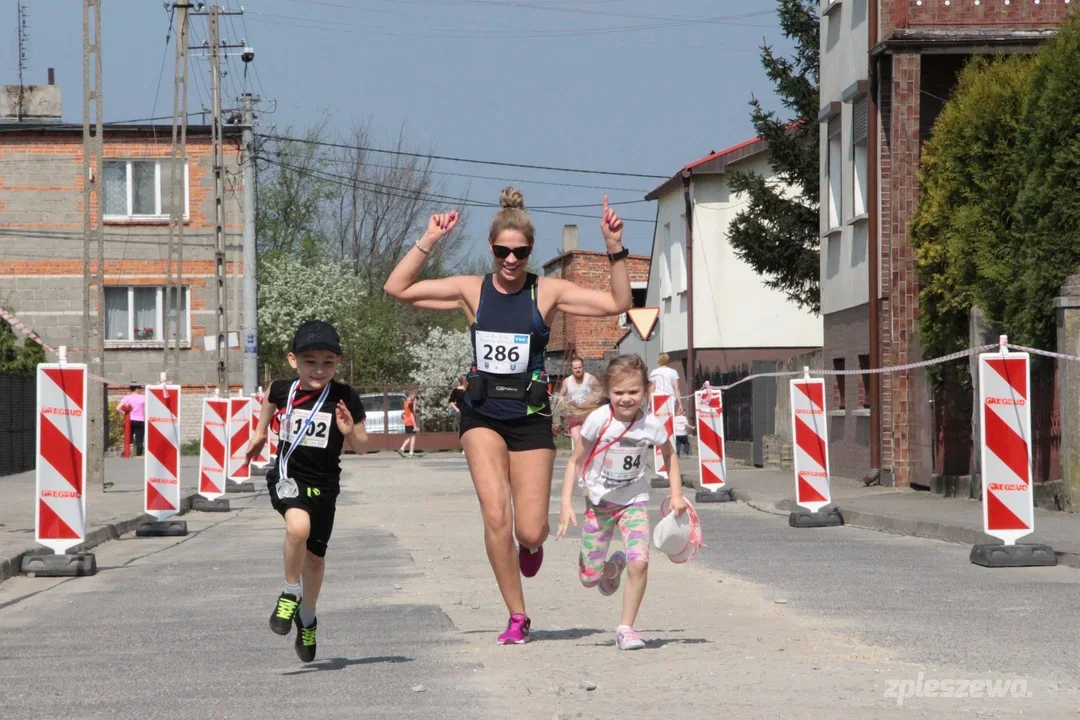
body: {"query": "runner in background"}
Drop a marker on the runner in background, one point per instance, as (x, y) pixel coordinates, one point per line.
(457, 402)
(409, 418)
(134, 405)
(665, 381)
(682, 434)
(578, 389)
(506, 424)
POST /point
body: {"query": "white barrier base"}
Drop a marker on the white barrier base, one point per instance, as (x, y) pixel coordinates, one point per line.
(1034, 555)
(829, 517)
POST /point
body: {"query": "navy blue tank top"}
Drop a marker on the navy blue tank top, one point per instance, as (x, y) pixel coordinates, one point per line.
(505, 324)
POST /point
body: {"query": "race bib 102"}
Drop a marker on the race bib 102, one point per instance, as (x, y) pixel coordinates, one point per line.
(623, 464)
(502, 353)
(317, 433)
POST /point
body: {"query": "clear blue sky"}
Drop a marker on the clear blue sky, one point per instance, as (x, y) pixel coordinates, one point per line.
(626, 85)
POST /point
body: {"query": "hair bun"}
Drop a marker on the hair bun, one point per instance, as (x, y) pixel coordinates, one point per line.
(512, 199)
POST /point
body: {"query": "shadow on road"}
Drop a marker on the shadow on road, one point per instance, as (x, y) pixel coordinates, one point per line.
(342, 663)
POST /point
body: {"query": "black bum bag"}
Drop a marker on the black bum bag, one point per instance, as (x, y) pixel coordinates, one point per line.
(533, 391)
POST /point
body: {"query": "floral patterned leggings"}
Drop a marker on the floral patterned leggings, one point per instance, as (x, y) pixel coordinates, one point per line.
(596, 534)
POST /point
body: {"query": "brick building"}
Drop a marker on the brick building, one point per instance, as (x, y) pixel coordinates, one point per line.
(41, 244)
(887, 67)
(590, 338)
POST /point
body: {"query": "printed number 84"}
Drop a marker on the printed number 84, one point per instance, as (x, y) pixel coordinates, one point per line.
(631, 463)
(500, 353)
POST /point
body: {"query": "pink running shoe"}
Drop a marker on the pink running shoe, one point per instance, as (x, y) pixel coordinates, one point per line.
(608, 586)
(517, 630)
(627, 638)
(530, 560)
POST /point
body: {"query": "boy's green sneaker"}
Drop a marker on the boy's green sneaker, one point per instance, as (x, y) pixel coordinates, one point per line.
(305, 640)
(284, 612)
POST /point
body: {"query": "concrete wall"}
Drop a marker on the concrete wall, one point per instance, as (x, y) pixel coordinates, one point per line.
(41, 246)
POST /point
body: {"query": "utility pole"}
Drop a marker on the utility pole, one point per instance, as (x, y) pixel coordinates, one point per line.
(177, 199)
(93, 240)
(250, 299)
(690, 373)
(215, 47)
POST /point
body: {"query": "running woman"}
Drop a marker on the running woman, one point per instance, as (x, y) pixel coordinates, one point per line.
(610, 465)
(577, 389)
(305, 481)
(506, 425)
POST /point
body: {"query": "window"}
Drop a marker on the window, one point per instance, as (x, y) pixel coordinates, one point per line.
(665, 272)
(841, 381)
(638, 293)
(858, 155)
(139, 189)
(864, 365)
(834, 169)
(138, 314)
(678, 265)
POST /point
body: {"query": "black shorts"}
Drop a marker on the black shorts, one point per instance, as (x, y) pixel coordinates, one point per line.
(319, 503)
(409, 429)
(532, 432)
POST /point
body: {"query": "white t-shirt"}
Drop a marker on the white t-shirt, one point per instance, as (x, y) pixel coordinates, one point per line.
(680, 425)
(617, 474)
(664, 379)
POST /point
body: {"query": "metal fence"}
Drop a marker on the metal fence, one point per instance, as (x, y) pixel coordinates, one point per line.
(17, 434)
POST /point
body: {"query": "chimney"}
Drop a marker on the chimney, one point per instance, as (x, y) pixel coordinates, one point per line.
(569, 238)
(31, 103)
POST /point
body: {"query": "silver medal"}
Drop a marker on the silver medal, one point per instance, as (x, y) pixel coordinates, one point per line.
(286, 488)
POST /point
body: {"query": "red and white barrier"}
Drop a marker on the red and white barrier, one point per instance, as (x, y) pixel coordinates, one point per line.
(239, 434)
(213, 457)
(161, 496)
(61, 456)
(811, 435)
(712, 460)
(263, 458)
(663, 407)
(1005, 427)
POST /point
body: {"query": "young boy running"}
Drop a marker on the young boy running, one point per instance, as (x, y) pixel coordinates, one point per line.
(305, 481)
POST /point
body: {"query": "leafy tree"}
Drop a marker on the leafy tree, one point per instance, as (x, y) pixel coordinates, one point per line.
(1047, 210)
(18, 358)
(962, 233)
(441, 358)
(778, 233)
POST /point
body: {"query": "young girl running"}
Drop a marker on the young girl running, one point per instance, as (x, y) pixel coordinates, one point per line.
(506, 427)
(610, 464)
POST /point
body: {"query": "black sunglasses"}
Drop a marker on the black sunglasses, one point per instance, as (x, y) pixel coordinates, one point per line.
(502, 252)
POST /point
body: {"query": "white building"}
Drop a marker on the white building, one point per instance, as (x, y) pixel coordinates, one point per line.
(737, 319)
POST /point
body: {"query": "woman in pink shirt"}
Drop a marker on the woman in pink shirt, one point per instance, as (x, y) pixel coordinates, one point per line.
(135, 404)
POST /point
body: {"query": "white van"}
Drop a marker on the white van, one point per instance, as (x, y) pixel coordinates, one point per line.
(373, 407)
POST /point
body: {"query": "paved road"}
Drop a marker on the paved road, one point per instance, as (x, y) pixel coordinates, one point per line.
(178, 628)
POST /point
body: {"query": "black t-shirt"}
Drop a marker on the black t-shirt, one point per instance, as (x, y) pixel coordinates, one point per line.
(316, 462)
(457, 396)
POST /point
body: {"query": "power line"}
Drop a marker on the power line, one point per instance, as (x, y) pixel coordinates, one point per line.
(407, 193)
(324, 143)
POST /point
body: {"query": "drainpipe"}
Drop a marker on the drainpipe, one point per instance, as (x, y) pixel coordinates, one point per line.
(686, 178)
(873, 154)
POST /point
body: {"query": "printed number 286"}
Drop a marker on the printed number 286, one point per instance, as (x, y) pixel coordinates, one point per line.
(500, 353)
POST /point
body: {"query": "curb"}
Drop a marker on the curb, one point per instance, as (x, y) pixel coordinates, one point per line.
(12, 566)
(923, 529)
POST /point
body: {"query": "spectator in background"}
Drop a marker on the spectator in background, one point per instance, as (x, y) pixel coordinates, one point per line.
(134, 405)
(665, 381)
(457, 397)
(682, 434)
(579, 388)
(409, 417)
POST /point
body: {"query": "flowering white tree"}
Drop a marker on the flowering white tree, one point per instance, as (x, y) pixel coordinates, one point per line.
(291, 293)
(441, 358)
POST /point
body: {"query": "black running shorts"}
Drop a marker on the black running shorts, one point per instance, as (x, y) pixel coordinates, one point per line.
(319, 503)
(532, 432)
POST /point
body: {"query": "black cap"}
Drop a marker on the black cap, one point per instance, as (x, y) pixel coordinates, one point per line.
(316, 335)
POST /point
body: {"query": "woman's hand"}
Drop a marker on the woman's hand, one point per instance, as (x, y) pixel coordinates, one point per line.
(566, 517)
(438, 226)
(612, 226)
